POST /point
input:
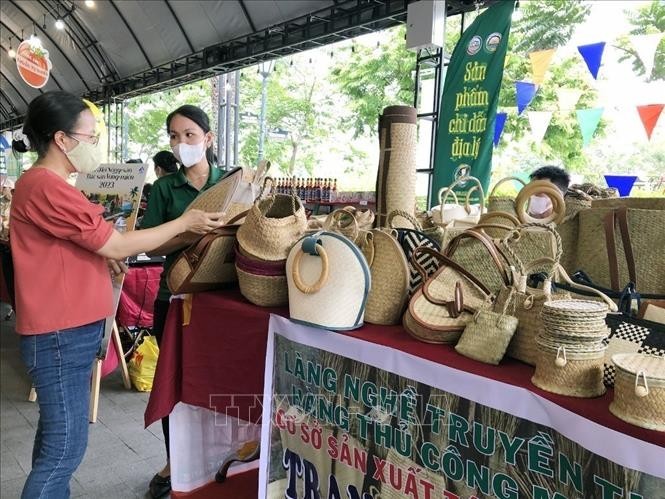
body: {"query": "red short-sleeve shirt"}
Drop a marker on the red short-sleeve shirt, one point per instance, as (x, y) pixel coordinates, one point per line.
(54, 232)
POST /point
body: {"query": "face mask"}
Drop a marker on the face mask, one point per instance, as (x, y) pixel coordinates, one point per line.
(539, 205)
(189, 154)
(85, 157)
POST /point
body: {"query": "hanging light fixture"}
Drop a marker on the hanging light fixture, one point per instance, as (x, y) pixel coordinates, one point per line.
(10, 51)
(59, 23)
(90, 4)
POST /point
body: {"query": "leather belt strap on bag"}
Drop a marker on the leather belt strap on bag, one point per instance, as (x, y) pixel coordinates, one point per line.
(619, 216)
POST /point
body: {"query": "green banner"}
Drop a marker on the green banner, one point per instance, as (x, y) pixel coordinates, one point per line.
(470, 96)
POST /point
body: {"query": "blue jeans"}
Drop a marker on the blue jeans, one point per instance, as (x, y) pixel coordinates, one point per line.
(60, 364)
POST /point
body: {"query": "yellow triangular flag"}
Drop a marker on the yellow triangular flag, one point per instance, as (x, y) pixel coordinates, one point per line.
(540, 61)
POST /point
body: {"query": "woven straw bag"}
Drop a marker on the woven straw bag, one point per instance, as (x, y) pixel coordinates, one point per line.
(571, 370)
(505, 204)
(474, 250)
(229, 195)
(272, 226)
(207, 264)
(329, 281)
(262, 282)
(439, 311)
(343, 222)
(639, 390)
(396, 178)
(456, 215)
(486, 337)
(435, 232)
(390, 278)
(613, 257)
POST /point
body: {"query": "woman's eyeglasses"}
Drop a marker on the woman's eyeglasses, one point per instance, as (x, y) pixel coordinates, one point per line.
(92, 139)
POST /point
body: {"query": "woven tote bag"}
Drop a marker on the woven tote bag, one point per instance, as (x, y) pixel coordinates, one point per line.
(390, 278)
(228, 195)
(502, 203)
(207, 264)
(616, 242)
(328, 281)
(272, 226)
(396, 178)
(409, 240)
(435, 232)
(639, 391)
(456, 215)
(487, 335)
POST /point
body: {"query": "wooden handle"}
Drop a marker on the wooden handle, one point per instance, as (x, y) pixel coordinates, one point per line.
(295, 272)
(540, 187)
(505, 179)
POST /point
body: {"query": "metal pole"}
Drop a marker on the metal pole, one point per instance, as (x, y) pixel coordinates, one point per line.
(227, 121)
(236, 118)
(262, 118)
(221, 132)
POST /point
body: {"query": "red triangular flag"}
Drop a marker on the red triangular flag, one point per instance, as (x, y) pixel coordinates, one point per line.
(649, 115)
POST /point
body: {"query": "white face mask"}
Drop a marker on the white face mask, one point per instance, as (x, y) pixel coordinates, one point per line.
(85, 157)
(189, 154)
(539, 206)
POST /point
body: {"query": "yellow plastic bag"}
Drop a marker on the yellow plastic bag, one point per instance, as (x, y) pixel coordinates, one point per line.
(143, 363)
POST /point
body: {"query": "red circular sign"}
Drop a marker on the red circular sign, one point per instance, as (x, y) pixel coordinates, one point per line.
(33, 64)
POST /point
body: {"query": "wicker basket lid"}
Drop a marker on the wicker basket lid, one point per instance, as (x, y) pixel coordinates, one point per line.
(575, 307)
(652, 366)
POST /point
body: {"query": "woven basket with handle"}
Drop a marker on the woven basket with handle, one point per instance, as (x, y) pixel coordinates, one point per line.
(504, 203)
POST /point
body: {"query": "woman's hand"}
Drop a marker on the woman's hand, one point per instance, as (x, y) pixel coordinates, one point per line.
(200, 222)
(116, 267)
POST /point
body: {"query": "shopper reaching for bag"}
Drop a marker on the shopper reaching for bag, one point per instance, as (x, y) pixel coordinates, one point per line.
(60, 245)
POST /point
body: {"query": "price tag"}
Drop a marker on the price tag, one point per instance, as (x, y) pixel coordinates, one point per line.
(363, 202)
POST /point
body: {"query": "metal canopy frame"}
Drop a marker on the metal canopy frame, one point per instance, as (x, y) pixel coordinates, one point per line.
(343, 19)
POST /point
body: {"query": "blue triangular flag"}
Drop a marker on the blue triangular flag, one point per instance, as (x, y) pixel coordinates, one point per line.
(525, 92)
(498, 126)
(3, 143)
(592, 54)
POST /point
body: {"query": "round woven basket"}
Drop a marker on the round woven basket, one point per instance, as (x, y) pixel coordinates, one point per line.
(580, 376)
(272, 227)
(639, 390)
(262, 282)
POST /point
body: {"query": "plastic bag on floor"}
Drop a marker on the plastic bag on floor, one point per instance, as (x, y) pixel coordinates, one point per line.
(143, 363)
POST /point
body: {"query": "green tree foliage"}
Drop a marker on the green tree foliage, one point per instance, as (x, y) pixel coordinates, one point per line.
(647, 20)
(298, 102)
(146, 115)
(563, 140)
(549, 24)
(375, 77)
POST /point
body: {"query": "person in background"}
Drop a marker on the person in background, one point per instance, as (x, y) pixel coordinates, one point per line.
(540, 206)
(63, 252)
(191, 141)
(165, 163)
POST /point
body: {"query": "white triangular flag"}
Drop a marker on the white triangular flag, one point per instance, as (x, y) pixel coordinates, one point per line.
(539, 121)
(645, 46)
(568, 98)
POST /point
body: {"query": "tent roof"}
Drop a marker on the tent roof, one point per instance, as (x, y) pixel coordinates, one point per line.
(129, 47)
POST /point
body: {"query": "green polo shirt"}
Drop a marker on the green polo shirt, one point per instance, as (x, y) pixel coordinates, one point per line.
(169, 197)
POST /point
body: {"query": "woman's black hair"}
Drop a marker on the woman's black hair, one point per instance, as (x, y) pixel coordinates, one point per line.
(198, 116)
(47, 114)
(166, 161)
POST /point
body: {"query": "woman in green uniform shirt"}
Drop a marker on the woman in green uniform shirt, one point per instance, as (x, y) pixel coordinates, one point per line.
(191, 141)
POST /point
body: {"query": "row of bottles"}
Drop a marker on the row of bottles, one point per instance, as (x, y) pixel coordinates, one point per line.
(309, 190)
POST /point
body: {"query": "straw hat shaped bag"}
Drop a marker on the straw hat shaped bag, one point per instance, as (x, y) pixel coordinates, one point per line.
(329, 282)
(272, 226)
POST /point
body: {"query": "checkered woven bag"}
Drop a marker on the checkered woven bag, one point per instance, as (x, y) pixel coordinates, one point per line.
(631, 335)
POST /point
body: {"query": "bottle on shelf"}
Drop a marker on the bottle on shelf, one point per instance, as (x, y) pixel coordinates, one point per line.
(333, 192)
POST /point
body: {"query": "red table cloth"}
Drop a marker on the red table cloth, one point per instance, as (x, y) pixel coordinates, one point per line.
(222, 352)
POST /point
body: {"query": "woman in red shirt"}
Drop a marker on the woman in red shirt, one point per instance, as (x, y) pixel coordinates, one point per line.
(63, 250)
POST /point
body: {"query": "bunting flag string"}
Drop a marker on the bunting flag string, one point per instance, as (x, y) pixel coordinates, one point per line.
(645, 46)
(499, 124)
(540, 61)
(588, 120)
(649, 115)
(525, 91)
(568, 98)
(539, 122)
(592, 55)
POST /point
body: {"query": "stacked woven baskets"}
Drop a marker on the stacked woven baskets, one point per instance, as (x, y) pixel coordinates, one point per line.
(569, 359)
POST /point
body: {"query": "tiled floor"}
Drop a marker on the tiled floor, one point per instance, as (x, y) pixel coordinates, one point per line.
(122, 456)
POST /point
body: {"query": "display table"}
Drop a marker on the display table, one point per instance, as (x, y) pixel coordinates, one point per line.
(216, 363)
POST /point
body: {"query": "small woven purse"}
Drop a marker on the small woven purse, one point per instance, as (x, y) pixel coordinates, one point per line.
(487, 336)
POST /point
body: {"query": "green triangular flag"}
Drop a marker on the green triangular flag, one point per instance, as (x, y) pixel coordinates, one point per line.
(588, 120)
